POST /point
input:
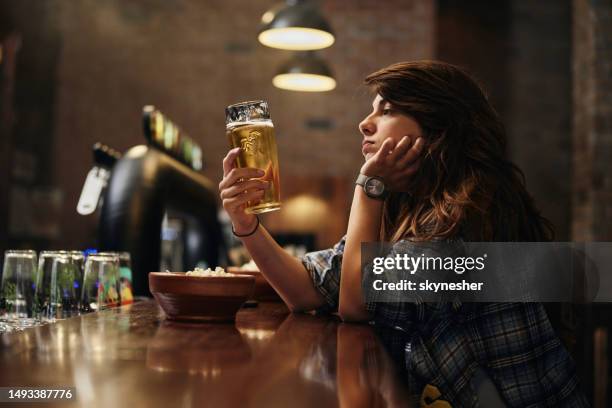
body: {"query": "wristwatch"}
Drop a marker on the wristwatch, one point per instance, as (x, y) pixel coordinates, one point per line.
(374, 187)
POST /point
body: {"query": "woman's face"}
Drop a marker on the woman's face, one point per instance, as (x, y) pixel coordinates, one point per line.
(385, 121)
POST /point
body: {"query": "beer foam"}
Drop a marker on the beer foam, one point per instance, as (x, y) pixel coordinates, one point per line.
(263, 122)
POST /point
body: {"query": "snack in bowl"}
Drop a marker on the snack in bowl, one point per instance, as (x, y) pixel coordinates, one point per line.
(250, 266)
(263, 290)
(201, 295)
(219, 271)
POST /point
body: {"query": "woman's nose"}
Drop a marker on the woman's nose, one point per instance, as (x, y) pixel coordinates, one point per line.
(366, 127)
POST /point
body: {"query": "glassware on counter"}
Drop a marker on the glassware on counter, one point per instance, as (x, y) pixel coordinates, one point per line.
(18, 287)
(101, 282)
(125, 276)
(58, 287)
(60, 284)
(248, 126)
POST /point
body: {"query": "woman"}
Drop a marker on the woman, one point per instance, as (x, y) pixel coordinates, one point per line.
(435, 169)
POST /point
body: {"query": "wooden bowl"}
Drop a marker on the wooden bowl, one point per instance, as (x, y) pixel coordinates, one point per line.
(263, 290)
(200, 298)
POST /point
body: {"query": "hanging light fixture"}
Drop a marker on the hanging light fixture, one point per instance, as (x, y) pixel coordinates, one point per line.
(305, 72)
(295, 25)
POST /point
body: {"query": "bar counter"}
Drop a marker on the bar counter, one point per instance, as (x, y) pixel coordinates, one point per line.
(132, 356)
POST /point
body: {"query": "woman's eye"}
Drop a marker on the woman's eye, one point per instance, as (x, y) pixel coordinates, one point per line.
(386, 111)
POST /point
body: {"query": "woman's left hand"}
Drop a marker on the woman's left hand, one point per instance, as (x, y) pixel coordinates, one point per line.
(395, 164)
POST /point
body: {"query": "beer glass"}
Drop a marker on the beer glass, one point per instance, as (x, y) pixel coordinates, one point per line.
(18, 286)
(249, 127)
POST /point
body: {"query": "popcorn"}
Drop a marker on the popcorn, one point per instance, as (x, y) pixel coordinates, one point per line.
(250, 266)
(219, 271)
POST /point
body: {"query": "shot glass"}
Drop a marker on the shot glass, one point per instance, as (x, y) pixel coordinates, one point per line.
(79, 261)
(125, 273)
(101, 283)
(58, 288)
(125, 276)
(18, 287)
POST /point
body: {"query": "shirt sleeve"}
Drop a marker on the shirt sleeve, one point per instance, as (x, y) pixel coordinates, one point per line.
(324, 269)
(401, 309)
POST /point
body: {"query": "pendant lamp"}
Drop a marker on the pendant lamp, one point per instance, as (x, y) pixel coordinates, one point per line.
(305, 72)
(295, 25)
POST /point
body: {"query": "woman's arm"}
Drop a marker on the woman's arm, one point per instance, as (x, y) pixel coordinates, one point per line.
(285, 273)
(363, 226)
(394, 164)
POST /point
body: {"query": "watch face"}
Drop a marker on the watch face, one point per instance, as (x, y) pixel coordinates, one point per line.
(374, 187)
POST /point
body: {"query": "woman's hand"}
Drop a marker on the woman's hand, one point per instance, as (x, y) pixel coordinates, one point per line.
(395, 164)
(238, 186)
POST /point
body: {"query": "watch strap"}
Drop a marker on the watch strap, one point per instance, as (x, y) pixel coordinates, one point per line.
(361, 179)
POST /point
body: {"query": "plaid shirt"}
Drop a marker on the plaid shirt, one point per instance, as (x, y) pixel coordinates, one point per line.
(445, 342)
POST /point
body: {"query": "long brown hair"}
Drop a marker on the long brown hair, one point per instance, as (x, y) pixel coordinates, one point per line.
(465, 184)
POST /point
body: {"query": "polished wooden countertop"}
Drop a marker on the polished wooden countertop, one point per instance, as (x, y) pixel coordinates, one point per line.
(131, 356)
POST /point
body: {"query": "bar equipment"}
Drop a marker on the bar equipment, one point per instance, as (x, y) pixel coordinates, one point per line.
(149, 183)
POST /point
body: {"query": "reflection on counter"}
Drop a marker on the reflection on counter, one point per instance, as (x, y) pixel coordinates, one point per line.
(259, 325)
(208, 350)
(366, 375)
(133, 356)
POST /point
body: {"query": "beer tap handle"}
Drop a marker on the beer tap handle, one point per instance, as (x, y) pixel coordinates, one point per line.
(104, 159)
(105, 156)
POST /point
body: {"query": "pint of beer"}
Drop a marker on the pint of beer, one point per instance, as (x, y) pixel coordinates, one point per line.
(249, 127)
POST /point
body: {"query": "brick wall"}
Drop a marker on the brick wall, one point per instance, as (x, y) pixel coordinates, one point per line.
(592, 172)
(185, 57)
(191, 59)
(539, 105)
(30, 46)
(520, 52)
(592, 127)
(475, 35)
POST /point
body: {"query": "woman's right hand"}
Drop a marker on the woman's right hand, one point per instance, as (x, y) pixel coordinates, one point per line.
(238, 186)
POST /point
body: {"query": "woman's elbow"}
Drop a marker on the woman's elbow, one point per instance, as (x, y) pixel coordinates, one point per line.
(353, 315)
(294, 305)
(296, 308)
(302, 305)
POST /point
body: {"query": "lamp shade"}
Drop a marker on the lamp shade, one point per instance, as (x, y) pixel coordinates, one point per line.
(305, 72)
(295, 25)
